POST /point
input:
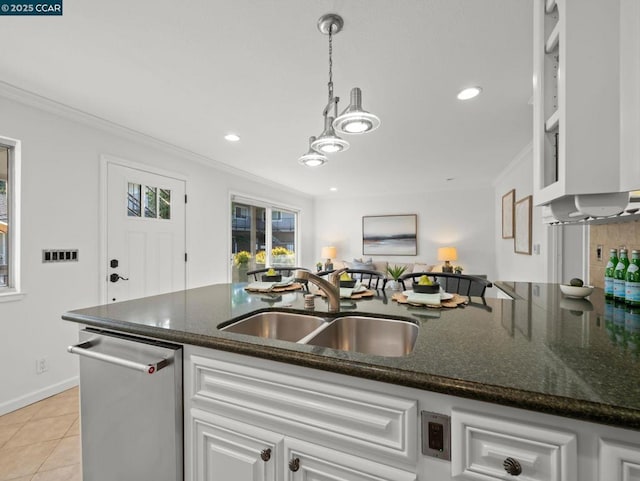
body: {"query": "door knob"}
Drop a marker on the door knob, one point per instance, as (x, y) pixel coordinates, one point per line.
(116, 277)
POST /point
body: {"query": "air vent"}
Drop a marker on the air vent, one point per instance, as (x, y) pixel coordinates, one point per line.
(59, 255)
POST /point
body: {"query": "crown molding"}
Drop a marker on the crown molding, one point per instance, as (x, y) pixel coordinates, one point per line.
(31, 99)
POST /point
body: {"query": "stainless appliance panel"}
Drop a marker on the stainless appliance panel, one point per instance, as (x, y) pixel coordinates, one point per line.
(131, 420)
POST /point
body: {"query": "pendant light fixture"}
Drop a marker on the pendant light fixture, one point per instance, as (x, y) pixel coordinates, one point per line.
(354, 120)
(312, 158)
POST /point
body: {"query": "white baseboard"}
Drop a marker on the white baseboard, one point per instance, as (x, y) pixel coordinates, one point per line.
(39, 395)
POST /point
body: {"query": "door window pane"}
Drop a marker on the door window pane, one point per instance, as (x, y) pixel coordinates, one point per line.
(134, 203)
(164, 206)
(283, 238)
(150, 202)
(261, 236)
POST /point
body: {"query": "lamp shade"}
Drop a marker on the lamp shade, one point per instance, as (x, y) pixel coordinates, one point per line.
(447, 254)
(328, 252)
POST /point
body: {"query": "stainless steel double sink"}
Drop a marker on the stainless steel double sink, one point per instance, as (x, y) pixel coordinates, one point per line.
(363, 334)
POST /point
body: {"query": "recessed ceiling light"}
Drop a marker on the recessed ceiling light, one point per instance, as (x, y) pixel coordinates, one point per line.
(231, 137)
(333, 189)
(469, 93)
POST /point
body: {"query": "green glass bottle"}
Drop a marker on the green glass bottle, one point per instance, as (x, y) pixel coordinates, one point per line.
(632, 280)
(608, 273)
(619, 276)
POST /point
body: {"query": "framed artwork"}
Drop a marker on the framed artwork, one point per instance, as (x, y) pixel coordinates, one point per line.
(391, 235)
(522, 227)
(508, 201)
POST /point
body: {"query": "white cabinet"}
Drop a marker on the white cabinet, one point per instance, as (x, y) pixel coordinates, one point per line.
(224, 449)
(251, 419)
(576, 137)
(619, 461)
(494, 448)
(629, 95)
(308, 461)
(238, 409)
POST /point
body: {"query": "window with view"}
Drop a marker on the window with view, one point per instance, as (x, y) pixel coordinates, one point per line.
(257, 243)
(8, 221)
(4, 216)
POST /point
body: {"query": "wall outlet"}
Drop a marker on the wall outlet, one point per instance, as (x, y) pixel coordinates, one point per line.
(42, 365)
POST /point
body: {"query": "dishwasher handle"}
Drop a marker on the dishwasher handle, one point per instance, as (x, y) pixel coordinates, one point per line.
(84, 349)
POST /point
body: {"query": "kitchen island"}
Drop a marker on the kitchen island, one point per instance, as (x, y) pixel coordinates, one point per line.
(540, 351)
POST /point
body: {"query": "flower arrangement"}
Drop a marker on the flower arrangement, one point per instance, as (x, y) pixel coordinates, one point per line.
(458, 269)
(242, 258)
(281, 251)
(261, 257)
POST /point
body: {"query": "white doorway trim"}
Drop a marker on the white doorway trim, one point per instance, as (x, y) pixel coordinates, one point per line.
(105, 161)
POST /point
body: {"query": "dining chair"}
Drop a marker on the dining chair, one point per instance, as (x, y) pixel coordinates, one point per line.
(285, 271)
(471, 286)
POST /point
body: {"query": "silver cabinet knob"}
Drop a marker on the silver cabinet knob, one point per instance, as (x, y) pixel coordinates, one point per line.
(512, 466)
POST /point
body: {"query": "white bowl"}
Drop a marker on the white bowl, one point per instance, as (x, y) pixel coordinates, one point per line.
(575, 291)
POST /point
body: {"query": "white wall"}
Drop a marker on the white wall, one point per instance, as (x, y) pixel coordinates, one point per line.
(60, 172)
(561, 248)
(511, 266)
(460, 218)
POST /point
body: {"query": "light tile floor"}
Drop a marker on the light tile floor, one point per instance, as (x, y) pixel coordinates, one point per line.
(41, 442)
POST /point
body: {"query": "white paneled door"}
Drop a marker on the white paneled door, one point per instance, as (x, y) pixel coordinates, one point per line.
(145, 233)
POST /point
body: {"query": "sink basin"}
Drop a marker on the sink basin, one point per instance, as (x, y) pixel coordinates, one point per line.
(368, 335)
(285, 326)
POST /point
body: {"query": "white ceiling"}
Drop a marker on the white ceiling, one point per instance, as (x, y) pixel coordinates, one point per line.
(190, 72)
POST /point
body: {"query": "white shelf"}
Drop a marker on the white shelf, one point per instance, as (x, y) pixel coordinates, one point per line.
(552, 41)
(550, 5)
(552, 122)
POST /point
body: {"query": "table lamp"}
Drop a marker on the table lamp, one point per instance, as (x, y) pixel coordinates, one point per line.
(447, 254)
(328, 252)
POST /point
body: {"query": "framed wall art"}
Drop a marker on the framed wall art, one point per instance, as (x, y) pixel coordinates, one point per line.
(522, 227)
(508, 201)
(391, 235)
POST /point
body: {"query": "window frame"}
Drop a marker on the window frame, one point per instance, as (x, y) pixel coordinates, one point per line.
(269, 207)
(13, 290)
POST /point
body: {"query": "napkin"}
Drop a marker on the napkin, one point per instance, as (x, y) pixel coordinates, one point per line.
(261, 286)
(346, 292)
(419, 298)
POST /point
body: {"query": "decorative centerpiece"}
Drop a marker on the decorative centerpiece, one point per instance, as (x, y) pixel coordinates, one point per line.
(271, 276)
(576, 289)
(346, 280)
(395, 272)
(426, 286)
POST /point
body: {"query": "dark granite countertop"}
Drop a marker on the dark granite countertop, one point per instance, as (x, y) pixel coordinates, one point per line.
(577, 358)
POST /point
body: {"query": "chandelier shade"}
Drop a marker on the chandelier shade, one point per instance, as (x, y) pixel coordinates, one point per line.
(312, 158)
(355, 120)
(329, 142)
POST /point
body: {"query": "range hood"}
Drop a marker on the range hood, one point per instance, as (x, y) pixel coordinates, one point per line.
(587, 208)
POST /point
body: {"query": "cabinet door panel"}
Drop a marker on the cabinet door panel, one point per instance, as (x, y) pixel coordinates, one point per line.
(225, 450)
(317, 463)
(619, 461)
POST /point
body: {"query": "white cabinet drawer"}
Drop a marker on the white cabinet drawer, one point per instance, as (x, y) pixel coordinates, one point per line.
(619, 461)
(480, 445)
(311, 462)
(282, 397)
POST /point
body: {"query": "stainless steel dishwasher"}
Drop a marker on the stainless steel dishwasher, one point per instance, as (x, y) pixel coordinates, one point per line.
(130, 407)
